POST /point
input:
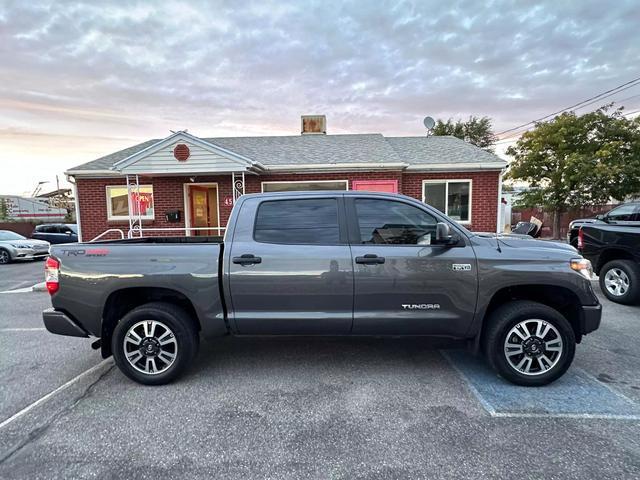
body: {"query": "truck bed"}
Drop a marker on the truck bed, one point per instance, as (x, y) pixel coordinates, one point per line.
(102, 276)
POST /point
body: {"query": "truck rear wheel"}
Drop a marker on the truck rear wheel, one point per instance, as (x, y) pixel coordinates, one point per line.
(620, 281)
(529, 343)
(154, 343)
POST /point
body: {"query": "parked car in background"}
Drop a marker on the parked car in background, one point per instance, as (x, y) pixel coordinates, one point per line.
(14, 246)
(614, 251)
(56, 232)
(625, 214)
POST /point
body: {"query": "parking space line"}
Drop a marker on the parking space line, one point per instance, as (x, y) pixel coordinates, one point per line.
(503, 400)
(102, 364)
(35, 329)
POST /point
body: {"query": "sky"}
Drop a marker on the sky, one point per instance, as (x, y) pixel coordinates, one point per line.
(79, 80)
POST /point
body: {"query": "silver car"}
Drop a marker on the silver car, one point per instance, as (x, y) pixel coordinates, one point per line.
(16, 247)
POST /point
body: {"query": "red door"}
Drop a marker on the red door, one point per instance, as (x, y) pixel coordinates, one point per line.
(387, 186)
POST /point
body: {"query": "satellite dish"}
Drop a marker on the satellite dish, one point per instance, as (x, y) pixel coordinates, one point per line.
(429, 122)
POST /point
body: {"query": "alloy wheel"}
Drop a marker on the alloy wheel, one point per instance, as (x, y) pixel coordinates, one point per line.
(4, 257)
(616, 281)
(150, 347)
(533, 347)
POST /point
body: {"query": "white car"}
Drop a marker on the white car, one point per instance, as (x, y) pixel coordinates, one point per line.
(16, 247)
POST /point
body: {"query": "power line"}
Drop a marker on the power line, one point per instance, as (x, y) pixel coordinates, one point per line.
(598, 97)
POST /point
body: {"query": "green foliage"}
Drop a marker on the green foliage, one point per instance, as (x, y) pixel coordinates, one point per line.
(4, 209)
(477, 131)
(578, 160)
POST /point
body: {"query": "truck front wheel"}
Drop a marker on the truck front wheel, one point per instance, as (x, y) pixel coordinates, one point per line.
(529, 343)
(154, 343)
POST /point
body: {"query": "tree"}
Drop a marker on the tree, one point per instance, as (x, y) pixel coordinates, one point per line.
(4, 209)
(578, 160)
(477, 131)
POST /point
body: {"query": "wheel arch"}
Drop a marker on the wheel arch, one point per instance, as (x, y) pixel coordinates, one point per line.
(609, 255)
(122, 301)
(561, 299)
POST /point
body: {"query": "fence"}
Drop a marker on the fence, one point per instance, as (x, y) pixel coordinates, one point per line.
(524, 214)
(23, 228)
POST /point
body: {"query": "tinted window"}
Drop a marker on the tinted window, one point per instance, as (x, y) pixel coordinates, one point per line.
(623, 213)
(45, 229)
(394, 223)
(312, 221)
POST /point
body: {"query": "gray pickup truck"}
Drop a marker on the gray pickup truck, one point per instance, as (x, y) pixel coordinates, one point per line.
(326, 263)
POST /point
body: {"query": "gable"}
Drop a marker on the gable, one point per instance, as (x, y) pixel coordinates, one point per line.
(203, 157)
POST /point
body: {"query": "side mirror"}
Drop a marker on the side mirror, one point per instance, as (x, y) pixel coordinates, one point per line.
(443, 233)
(601, 217)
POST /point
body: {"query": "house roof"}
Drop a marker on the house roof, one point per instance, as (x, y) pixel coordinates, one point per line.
(372, 150)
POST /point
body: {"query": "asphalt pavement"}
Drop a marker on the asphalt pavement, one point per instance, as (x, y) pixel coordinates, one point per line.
(301, 408)
(21, 274)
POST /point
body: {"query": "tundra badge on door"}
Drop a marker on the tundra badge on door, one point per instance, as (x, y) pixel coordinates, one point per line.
(421, 306)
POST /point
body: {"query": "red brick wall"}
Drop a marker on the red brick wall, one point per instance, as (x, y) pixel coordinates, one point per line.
(484, 194)
(169, 195)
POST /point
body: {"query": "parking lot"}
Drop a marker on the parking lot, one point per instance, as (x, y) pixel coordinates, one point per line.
(311, 408)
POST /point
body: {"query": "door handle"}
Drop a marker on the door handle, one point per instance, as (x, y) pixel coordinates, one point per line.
(247, 259)
(370, 259)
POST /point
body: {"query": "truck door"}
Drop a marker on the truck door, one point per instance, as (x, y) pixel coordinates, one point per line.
(406, 284)
(290, 269)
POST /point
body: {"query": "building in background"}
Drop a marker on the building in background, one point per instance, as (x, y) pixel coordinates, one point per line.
(186, 184)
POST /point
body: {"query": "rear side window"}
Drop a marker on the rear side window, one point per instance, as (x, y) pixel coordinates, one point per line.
(308, 222)
(388, 222)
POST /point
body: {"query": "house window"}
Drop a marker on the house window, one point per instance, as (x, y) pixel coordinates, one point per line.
(305, 186)
(118, 206)
(451, 197)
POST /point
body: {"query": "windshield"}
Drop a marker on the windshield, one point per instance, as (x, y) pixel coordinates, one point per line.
(7, 235)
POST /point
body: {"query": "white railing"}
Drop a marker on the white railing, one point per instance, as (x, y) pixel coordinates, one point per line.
(106, 232)
(139, 232)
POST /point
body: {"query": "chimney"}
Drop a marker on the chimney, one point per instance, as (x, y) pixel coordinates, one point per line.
(314, 125)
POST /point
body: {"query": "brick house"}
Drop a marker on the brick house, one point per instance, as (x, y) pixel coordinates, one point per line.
(184, 182)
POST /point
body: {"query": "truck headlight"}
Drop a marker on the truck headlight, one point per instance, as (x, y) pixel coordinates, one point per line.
(583, 266)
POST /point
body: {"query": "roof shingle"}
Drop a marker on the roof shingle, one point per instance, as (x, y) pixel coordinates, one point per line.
(331, 149)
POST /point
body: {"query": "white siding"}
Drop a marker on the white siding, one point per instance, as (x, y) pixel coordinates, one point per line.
(200, 161)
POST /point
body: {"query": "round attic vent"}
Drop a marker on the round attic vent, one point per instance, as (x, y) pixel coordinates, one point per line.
(181, 152)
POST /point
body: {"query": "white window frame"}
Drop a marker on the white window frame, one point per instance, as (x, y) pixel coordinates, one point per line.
(446, 194)
(346, 182)
(116, 218)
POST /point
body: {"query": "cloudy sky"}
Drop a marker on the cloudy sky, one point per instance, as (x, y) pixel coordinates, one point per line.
(80, 80)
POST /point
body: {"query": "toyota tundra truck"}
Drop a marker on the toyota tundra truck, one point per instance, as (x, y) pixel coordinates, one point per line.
(326, 263)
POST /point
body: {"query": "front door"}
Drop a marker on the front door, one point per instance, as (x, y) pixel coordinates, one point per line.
(203, 209)
(405, 283)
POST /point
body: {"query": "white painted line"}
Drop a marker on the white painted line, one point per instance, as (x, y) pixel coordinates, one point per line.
(597, 416)
(20, 290)
(486, 405)
(38, 287)
(27, 409)
(39, 329)
(493, 413)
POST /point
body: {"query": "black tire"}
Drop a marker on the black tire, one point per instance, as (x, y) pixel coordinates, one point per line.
(505, 318)
(631, 271)
(5, 256)
(168, 317)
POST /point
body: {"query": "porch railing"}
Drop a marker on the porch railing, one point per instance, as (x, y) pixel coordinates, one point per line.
(139, 232)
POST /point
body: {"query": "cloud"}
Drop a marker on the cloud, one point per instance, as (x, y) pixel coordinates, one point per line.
(137, 69)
